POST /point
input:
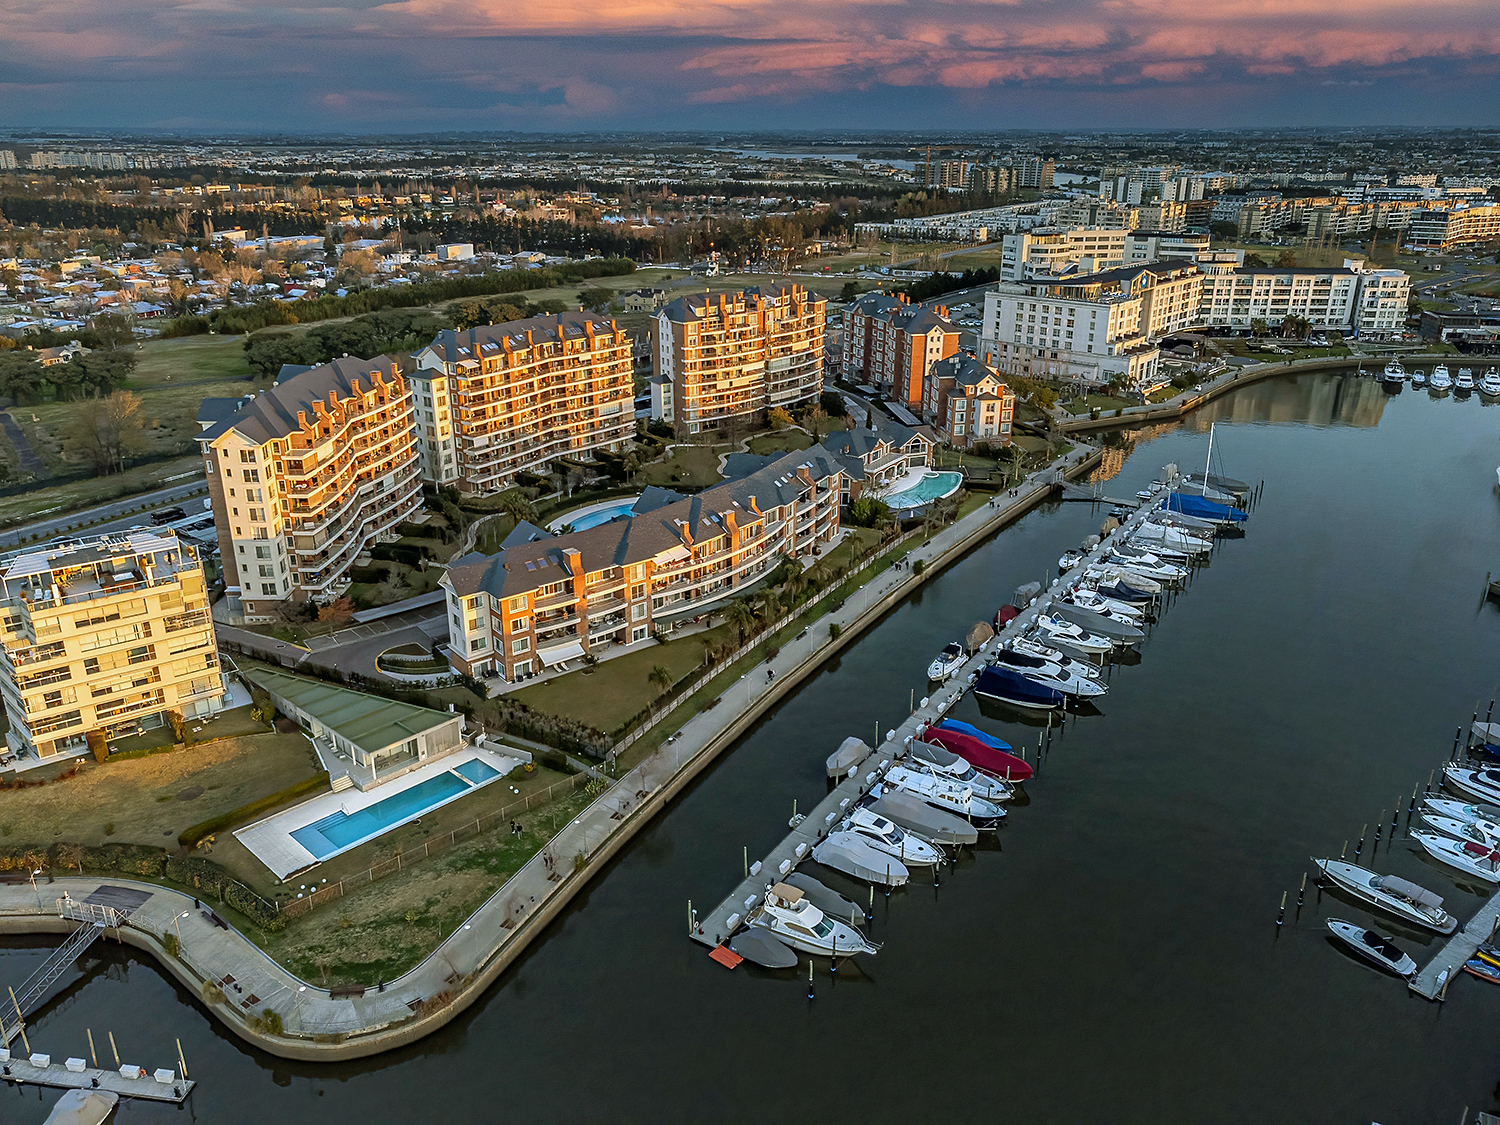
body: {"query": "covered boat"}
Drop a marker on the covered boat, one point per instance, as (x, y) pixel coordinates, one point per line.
(889, 838)
(1190, 505)
(1010, 686)
(847, 852)
(1391, 893)
(1101, 626)
(83, 1107)
(979, 752)
(850, 753)
(1486, 737)
(761, 947)
(916, 815)
(949, 796)
(829, 901)
(1223, 483)
(940, 760)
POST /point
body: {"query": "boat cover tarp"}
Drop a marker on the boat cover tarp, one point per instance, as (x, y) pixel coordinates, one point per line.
(931, 752)
(1163, 517)
(1072, 653)
(850, 753)
(1026, 594)
(1394, 884)
(970, 728)
(846, 852)
(1488, 733)
(1228, 484)
(1005, 615)
(1207, 492)
(980, 754)
(1097, 623)
(1204, 509)
(760, 948)
(82, 1107)
(915, 815)
(1003, 683)
(829, 901)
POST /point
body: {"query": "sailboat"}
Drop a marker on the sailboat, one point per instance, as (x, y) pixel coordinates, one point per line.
(1206, 502)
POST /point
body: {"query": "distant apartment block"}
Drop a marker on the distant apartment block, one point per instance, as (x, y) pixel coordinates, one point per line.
(946, 175)
(1453, 228)
(1035, 172)
(306, 476)
(504, 399)
(1353, 298)
(892, 344)
(107, 634)
(738, 355)
(968, 403)
(992, 179)
(544, 600)
(7, 160)
(1049, 251)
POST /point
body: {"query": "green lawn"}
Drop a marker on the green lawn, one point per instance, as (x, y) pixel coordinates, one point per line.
(1101, 403)
(691, 465)
(783, 441)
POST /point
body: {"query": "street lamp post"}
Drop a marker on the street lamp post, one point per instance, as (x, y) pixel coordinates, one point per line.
(297, 1007)
(177, 925)
(36, 889)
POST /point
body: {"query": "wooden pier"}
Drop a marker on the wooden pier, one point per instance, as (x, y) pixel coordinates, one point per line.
(1431, 982)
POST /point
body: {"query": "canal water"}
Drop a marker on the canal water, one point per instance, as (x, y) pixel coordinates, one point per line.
(1115, 955)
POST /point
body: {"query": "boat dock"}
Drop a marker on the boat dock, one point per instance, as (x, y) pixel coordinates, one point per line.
(160, 1086)
(721, 923)
(1460, 947)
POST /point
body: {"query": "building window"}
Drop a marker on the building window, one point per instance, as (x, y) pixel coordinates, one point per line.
(478, 644)
(520, 644)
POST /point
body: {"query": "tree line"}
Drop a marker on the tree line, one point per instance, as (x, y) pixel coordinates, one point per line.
(379, 333)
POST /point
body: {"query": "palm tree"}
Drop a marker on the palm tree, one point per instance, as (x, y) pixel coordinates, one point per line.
(742, 617)
(662, 678)
(517, 507)
(770, 605)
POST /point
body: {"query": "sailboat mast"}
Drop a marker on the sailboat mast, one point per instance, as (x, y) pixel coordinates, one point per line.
(1207, 461)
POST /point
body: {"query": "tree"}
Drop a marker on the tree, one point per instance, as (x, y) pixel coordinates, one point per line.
(20, 376)
(816, 419)
(1258, 328)
(741, 617)
(1286, 260)
(661, 678)
(849, 291)
(336, 612)
(596, 298)
(108, 428)
(1294, 326)
(518, 507)
(779, 417)
(868, 511)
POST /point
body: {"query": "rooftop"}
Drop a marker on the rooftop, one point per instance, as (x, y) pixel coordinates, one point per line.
(274, 413)
(368, 721)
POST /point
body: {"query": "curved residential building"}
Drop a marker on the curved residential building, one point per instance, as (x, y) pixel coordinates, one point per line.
(509, 398)
(309, 474)
(735, 355)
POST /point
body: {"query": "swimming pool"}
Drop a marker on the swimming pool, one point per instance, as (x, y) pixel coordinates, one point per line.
(593, 516)
(343, 830)
(932, 486)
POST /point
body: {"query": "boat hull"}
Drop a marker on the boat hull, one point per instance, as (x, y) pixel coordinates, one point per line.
(1342, 876)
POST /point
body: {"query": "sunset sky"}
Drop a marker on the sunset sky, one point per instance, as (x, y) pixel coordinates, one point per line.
(746, 64)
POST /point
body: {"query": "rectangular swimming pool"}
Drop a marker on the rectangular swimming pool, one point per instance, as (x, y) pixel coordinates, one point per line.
(342, 830)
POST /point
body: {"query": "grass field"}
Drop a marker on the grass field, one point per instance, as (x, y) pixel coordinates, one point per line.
(1094, 402)
(692, 465)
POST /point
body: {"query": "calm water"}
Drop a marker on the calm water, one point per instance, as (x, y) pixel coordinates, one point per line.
(1115, 957)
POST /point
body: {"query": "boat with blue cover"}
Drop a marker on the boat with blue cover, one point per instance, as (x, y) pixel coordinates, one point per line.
(1011, 687)
(974, 732)
(1190, 505)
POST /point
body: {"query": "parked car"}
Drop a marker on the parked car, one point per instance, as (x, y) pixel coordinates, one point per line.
(167, 515)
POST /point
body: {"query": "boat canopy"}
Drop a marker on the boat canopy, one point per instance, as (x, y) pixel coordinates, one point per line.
(1097, 623)
(1394, 884)
(760, 948)
(911, 812)
(1192, 505)
(929, 752)
(850, 753)
(1488, 733)
(830, 902)
(846, 852)
(790, 895)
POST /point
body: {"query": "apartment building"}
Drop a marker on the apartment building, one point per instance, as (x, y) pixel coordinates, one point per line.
(1162, 246)
(992, 179)
(946, 175)
(892, 344)
(1164, 215)
(1098, 214)
(968, 403)
(544, 600)
(738, 355)
(1455, 227)
(306, 476)
(1092, 330)
(1354, 298)
(107, 634)
(1050, 251)
(509, 398)
(1035, 172)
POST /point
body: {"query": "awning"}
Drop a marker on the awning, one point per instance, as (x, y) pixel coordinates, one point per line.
(551, 656)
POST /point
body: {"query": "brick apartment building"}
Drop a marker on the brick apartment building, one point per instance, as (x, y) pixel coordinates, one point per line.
(892, 344)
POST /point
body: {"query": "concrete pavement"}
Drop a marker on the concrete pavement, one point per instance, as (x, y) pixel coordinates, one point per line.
(110, 516)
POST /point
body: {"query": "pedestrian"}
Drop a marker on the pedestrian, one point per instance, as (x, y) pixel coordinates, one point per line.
(770, 674)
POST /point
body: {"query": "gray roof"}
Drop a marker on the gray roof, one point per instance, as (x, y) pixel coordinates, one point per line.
(455, 345)
(694, 306)
(522, 567)
(273, 413)
(962, 367)
(214, 410)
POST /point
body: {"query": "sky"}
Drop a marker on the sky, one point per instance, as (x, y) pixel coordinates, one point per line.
(580, 65)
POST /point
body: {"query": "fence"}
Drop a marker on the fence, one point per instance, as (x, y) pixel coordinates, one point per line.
(396, 863)
(686, 690)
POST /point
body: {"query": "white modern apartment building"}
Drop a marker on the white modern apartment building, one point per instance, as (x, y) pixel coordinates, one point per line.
(107, 635)
(1094, 329)
(1050, 251)
(502, 399)
(306, 476)
(1354, 298)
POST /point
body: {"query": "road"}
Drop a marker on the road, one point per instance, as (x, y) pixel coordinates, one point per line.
(54, 526)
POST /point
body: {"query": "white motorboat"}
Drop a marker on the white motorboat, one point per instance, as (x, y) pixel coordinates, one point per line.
(1460, 810)
(1418, 377)
(1485, 833)
(1490, 384)
(1440, 380)
(1464, 380)
(1118, 575)
(944, 763)
(884, 836)
(1054, 676)
(791, 916)
(1151, 535)
(1391, 893)
(1478, 860)
(1069, 560)
(1394, 372)
(1075, 636)
(1481, 785)
(1085, 597)
(1156, 553)
(1372, 947)
(949, 796)
(1033, 647)
(1150, 566)
(947, 662)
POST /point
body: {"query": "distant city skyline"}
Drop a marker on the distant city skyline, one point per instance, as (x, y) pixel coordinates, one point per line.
(412, 65)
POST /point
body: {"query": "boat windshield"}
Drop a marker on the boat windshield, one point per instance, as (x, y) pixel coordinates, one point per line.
(824, 928)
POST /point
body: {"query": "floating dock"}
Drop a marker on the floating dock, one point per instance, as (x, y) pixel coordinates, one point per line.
(1449, 962)
(162, 1086)
(724, 920)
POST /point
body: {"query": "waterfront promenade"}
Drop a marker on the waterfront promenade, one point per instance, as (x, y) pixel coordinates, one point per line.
(317, 1025)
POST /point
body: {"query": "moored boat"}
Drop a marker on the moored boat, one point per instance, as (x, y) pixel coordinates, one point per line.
(1482, 785)
(790, 915)
(947, 662)
(1480, 831)
(939, 760)
(1418, 377)
(1033, 647)
(1371, 946)
(1055, 627)
(1482, 969)
(1394, 372)
(1391, 893)
(852, 854)
(1479, 861)
(979, 751)
(829, 901)
(1460, 810)
(1464, 380)
(946, 795)
(911, 812)
(1009, 686)
(1490, 384)
(1440, 380)
(885, 836)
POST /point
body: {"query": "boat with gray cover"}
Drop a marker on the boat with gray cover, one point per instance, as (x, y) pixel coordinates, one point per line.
(940, 760)
(829, 901)
(847, 852)
(850, 753)
(759, 947)
(916, 815)
(1096, 623)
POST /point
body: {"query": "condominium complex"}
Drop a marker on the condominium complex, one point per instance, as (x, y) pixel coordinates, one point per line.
(108, 634)
(1354, 298)
(309, 474)
(1050, 251)
(968, 403)
(504, 399)
(1455, 227)
(544, 600)
(892, 344)
(738, 355)
(1094, 329)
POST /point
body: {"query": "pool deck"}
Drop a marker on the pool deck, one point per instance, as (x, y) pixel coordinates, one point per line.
(271, 841)
(911, 480)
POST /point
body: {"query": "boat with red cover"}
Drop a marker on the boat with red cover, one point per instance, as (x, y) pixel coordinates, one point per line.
(978, 750)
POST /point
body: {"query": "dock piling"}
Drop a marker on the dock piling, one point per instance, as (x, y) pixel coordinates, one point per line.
(1395, 818)
(1360, 847)
(810, 995)
(1379, 823)
(1302, 891)
(1281, 914)
(113, 1048)
(93, 1055)
(1412, 805)
(747, 861)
